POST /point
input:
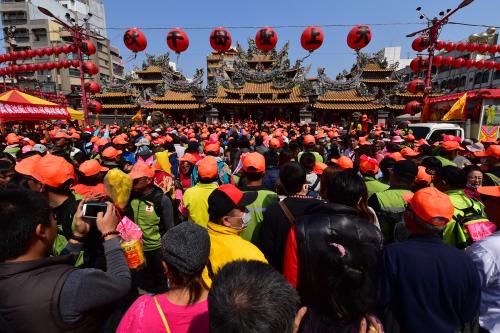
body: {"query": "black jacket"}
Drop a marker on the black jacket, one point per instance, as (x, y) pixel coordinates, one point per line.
(276, 226)
(326, 224)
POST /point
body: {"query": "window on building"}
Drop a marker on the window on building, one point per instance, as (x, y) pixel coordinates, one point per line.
(22, 35)
(74, 72)
(12, 1)
(497, 75)
(14, 18)
(40, 34)
(100, 47)
(486, 77)
(478, 77)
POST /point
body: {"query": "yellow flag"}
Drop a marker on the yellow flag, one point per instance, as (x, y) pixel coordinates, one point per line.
(457, 111)
(138, 116)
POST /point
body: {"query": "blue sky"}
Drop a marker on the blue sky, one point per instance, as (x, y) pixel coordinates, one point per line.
(334, 55)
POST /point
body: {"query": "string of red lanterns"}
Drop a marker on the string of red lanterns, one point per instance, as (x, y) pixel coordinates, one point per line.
(421, 43)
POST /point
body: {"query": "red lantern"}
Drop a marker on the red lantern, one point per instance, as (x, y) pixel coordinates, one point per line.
(177, 40)
(440, 45)
(13, 55)
(458, 62)
(312, 38)
(57, 50)
(266, 39)
(2, 57)
(416, 86)
(94, 106)
(30, 53)
(479, 64)
(490, 64)
(497, 66)
(450, 46)
(220, 39)
(23, 68)
(135, 40)
(90, 68)
(420, 43)
(471, 47)
(419, 63)
(66, 48)
(438, 61)
(51, 65)
(461, 46)
(359, 37)
(93, 87)
(482, 48)
(448, 61)
(87, 47)
(58, 64)
(2, 71)
(75, 63)
(48, 51)
(413, 108)
(39, 53)
(22, 54)
(469, 63)
(15, 68)
(31, 67)
(493, 49)
(66, 63)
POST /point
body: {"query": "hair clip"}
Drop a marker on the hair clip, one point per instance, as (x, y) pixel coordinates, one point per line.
(340, 248)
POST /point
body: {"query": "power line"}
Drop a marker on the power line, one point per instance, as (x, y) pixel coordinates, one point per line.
(475, 25)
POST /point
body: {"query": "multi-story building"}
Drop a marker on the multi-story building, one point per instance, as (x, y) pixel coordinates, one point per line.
(449, 79)
(34, 29)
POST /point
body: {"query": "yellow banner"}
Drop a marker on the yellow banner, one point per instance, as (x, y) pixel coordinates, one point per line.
(457, 111)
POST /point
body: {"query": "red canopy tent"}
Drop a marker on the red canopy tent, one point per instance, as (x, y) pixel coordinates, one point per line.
(471, 94)
(19, 106)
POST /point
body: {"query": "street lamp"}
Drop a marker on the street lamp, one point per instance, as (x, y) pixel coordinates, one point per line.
(433, 30)
(78, 33)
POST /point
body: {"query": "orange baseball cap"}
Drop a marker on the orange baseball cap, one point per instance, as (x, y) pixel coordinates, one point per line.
(421, 142)
(343, 162)
(12, 138)
(492, 191)
(364, 117)
(407, 151)
(207, 167)
(368, 165)
(91, 167)
(362, 141)
(491, 151)
(94, 139)
(120, 140)
(111, 152)
(102, 141)
(319, 167)
(451, 145)
(62, 135)
(53, 171)
(410, 137)
(26, 165)
(274, 143)
(429, 203)
(396, 156)
(254, 162)
(140, 170)
(422, 176)
(212, 147)
(75, 135)
(309, 140)
(188, 158)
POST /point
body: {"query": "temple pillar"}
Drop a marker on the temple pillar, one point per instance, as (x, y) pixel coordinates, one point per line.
(305, 115)
(212, 116)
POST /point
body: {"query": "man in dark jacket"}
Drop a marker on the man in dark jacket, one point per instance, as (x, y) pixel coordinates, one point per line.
(427, 285)
(39, 293)
(277, 222)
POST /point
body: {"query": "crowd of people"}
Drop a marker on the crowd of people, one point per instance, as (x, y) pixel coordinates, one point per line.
(248, 227)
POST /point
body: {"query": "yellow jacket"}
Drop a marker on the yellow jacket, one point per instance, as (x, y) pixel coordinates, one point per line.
(226, 246)
(195, 200)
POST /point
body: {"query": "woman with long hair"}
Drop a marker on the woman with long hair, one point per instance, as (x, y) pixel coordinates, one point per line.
(183, 308)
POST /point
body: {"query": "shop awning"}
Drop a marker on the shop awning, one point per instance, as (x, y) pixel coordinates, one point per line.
(19, 106)
(471, 94)
(75, 114)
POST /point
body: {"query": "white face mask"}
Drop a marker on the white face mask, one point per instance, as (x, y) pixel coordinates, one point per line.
(246, 218)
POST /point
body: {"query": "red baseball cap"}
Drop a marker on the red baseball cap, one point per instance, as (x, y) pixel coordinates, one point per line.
(91, 167)
(226, 198)
(368, 165)
(343, 162)
(207, 167)
(254, 162)
(429, 203)
(274, 143)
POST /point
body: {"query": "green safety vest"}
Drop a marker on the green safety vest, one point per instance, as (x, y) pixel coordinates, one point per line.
(467, 211)
(147, 219)
(445, 161)
(374, 186)
(317, 156)
(392, 206)
(257, 209)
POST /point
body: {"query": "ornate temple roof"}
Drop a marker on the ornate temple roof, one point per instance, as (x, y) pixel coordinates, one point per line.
(344, 96)
(174, 96)
(115, 95)
(120, 106)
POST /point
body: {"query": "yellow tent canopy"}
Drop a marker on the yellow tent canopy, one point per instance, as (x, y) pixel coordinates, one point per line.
(75, 114)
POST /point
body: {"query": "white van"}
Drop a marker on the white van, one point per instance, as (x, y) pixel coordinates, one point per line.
(433, 132)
